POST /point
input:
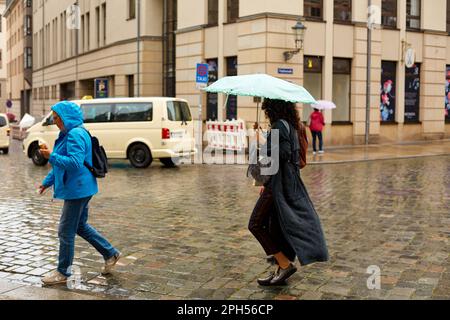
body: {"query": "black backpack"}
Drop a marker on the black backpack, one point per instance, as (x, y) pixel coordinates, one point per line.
(99, 166)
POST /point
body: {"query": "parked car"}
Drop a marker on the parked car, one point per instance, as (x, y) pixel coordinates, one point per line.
(137, 129)
(4, 133)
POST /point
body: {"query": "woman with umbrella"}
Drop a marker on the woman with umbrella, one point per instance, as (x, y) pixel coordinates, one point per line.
(284, 220)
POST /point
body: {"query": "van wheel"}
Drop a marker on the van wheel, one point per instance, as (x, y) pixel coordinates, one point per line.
(5, 150)
(37, 157)
(170, 162)
(140, 156)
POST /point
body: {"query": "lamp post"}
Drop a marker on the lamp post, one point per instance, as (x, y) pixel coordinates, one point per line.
(138, 40)
(368, 72)
(299, 32)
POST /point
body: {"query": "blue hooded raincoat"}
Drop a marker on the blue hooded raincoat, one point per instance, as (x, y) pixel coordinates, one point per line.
(69, 177)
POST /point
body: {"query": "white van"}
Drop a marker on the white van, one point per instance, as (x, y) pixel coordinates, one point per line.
(4, 133)
(138, 129)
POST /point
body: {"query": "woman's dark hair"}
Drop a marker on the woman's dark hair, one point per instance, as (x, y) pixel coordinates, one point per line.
(279, 109)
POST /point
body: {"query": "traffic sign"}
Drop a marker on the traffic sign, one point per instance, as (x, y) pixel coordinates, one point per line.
(202, 74)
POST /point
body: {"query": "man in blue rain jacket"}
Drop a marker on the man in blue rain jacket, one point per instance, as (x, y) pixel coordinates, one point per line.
(75, 184)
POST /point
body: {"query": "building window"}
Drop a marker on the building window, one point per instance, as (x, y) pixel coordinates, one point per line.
(130, 80)
(1, 20)
(28, 3)
(88, 31)
(82, 34)
(1, 59)
(388, 85)
(169, 52)
(447, 95)
(313, 9)
(27, 30)
(28, 58)
(232, 11)
(213, 12)
(131, 9)
(232, 100)
(312, 81)
(97, 25)
(104, 22)
(343, 10)
(413, 8)
(211, 98)
(448, 16)
(341, 89)
(389, 13)
(412, 93)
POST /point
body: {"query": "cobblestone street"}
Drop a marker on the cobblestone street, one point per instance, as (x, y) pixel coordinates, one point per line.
(183, 232)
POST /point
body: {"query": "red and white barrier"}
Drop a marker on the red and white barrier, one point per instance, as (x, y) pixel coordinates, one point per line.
(228, 135)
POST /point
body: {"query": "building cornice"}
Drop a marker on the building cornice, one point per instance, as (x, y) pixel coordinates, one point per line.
(273, 15)
(191, 29)
(8, 8)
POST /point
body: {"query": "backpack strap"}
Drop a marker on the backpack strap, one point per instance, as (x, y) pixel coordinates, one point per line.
(89, 167)
(286, 124)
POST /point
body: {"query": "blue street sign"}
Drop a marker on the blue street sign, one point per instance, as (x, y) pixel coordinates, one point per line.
(101, 88)
(202, 73)
(285, 71)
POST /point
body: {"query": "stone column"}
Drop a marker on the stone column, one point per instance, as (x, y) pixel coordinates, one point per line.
(121, 86)
(432, 92)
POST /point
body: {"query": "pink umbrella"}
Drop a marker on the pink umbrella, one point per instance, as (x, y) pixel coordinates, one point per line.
(323, 105)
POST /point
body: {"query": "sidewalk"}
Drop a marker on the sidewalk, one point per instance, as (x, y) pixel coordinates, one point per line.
(16, 291)
(380, 152)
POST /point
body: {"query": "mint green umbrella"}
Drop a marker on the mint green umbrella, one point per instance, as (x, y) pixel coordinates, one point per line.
(263, 86)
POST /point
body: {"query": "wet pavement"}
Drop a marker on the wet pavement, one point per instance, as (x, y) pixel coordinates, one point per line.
(183, 231)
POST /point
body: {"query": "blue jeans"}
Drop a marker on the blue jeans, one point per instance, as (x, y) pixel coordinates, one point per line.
(315, 135)
(74, 221)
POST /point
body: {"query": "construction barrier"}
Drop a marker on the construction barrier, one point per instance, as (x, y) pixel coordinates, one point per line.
(228, 135)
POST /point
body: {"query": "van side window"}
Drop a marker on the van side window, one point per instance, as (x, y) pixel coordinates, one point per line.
(2, 121)
(133, 112)
(94, 113)
(178, 111)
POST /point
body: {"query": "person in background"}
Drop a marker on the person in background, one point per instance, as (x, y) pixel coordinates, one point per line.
(76, 185)
(316, 124)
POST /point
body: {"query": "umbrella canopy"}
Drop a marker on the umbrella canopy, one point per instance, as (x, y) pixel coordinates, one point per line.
(262, 85)
(323, 105)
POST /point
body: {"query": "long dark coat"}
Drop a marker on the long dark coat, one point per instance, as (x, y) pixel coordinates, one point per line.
(297, 217)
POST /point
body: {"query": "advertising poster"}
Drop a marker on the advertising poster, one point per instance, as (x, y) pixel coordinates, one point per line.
(211, 103)
(447, 95)
(388, 101)
(412, 93)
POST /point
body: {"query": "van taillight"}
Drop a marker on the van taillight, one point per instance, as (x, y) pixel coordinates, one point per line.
(8, 132)
(165, 133)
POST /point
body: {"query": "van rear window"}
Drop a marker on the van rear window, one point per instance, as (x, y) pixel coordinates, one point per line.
(178, 111)
(2, 121)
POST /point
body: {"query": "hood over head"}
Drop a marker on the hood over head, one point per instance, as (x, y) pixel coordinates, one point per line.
(70, 113)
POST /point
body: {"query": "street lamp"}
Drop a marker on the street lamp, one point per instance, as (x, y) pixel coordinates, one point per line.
(299, 33)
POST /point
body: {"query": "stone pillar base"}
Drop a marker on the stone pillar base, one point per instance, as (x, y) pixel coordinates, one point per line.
(433, 136)
(361, 140)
